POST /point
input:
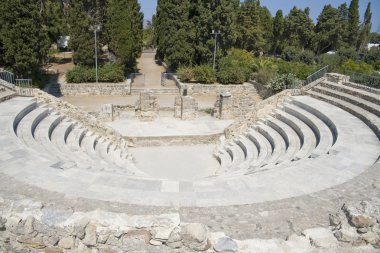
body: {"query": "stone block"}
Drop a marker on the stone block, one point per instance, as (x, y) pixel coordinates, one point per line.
(185, 108)
(147, 107)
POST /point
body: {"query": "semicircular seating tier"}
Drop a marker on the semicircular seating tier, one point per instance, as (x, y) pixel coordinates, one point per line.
(308, 144)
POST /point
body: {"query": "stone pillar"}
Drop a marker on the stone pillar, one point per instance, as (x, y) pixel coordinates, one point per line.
(185, 108)
(106, 112)
(337, 78)
(225, 106)
(147, 107)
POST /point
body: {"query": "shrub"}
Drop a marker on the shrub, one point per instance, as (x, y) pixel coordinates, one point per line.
(348, 53)
(235, 67)
(106, 73)
(361, 67)
(307, 57)
(264, 75)
(285, 81)
(231, 75)
(373, 55)
(376, 65)
(204, 74)
(186, 74)
(299, 69)
(333, 60)
(291, 54)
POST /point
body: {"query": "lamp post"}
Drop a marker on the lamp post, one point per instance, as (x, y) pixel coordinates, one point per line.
(215, 33)
(96, 28)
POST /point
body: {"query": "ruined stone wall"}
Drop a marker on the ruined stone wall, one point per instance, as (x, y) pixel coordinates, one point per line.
(185, 108)
(30, 226)
(75, 89)
(147, 107)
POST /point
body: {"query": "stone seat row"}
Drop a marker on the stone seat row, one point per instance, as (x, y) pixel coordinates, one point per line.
(53, 135)
(22, 162)
(293, 132)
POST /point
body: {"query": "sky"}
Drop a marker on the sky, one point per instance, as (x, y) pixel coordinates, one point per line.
(148, 7)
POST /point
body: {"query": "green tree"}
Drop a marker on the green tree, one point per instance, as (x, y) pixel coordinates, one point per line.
(266, 25)
(53, 19)
(80, 18)
(327, 30)
(366, 28)
(23, 40)
(124, 26)
(278, 32)
(353, 22)
(299, 28)
(250, 34)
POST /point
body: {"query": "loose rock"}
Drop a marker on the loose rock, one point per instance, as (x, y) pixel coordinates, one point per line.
(195, 237)
(66, 242)
(226, 244)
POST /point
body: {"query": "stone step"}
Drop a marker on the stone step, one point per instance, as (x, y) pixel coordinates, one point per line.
(365, 104)
(27, 125)
(263, 146)
(319, 114)
(292, 140)
(306, 135)
(368, 118)
(249, 149)
(237, 155)
(320, 129)
(275, 139)
(363, 87)
(366, 95)
(224, 159)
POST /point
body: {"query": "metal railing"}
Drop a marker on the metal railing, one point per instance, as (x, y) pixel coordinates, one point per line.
(316, 75)
(367, 80)
(23, 87)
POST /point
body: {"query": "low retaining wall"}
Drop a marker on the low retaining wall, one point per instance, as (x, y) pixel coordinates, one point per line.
(164, 141)
(114, 89)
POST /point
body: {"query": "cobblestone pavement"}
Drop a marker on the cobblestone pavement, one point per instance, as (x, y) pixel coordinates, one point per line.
(263, 220)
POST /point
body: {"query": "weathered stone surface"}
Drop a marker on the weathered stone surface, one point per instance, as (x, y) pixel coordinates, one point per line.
(185, 108)
(335, 220)
(35, 243)
(79, 228)
(113, 241)
(321, 238)
(370, 237)
(51, 240)
(226, 244)
(155, 242)
(147, 107)
(53, 250)
(90, 238)
(29, 225)
(195, 236)
(136, 240)
(66, 242)
(362, 215)
(346, 235)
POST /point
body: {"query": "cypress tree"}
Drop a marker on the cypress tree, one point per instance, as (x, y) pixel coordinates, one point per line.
(353, 22)
(266, 24)
(124, 27)
(251, 35)
(81, 38)
(366, 28)
(23, 40)
(278, 31)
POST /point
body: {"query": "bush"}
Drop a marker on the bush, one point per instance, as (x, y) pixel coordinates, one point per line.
(291, 54)
(231, 75)
(376, 65)
(106, 73)
(235, 67)
(361, 67)
(285, 81)
(372, 56)
(204, 74)
(307, 57)
(300, 70)
(264, 75)
(333, 60)
(186, 74)
(348, 53)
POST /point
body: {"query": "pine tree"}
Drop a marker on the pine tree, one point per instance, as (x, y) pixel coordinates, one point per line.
(124, 27)
(23, 39)
(366, 28)
(53, 19)
(80, 18)
(278, 31)
(353, 22)
(343, 26)
(266, 25)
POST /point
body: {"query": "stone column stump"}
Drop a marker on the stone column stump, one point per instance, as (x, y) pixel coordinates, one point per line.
(185, 108)
(147, 107)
